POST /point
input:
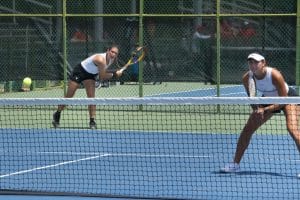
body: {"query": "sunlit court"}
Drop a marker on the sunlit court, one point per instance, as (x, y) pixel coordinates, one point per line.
(149, 99)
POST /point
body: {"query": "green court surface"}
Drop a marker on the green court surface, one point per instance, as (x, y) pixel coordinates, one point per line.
(126, 90)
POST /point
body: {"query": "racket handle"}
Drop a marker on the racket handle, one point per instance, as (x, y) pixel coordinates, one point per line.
(123, 69)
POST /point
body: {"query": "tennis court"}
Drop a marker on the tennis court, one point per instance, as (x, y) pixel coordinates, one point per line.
(166, 89)
(229, 91)
(152, 165)
(168, 145)
(162, 152)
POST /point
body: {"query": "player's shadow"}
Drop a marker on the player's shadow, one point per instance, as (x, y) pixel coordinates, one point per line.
(254, 173)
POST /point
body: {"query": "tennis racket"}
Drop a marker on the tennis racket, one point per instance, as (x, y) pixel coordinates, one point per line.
(252, 90)
(251, 87)
(136, 56)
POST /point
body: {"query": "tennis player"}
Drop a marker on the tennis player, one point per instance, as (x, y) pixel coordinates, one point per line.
(270, 83)
(86, 72)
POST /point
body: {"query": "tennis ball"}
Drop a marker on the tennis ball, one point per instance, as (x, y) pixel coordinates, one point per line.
(27, 82)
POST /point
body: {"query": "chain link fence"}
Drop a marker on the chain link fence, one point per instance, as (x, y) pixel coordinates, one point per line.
(181, 37)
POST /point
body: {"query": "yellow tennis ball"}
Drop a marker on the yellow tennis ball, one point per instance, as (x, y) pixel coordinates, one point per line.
(27, 82)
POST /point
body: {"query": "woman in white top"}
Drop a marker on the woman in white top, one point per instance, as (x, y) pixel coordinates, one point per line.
(270, 82)
(86, 72)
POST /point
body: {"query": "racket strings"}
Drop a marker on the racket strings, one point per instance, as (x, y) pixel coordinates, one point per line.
(137, 54)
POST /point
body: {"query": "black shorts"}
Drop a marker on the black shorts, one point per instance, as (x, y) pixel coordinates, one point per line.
(291, 93)
(79, 74)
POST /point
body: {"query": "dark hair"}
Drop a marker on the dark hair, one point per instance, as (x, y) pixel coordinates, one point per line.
(113, 46)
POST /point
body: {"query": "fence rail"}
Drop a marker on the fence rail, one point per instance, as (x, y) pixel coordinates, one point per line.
(168, 28)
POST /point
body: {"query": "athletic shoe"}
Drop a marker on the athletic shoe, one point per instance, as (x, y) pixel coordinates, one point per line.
(231, 168)
(56, 118)
(93, 125)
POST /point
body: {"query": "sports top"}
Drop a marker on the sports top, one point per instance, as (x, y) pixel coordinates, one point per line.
(265, 85)
(91, 67)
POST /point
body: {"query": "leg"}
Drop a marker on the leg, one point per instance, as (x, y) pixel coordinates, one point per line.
(254, 122)
(292, 116)
(89, 85)
(72, 87)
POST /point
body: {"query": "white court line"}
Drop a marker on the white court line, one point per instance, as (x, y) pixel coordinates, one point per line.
(296, 160)
(132, 154)
(71, 153)
(98, 156)
(51, 166)
(161, 155)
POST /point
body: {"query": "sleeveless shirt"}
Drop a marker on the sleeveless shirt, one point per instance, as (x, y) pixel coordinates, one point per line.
(89, 66)
(265, 86)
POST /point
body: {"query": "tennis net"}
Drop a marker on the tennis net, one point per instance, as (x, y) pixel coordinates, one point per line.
(160, 148)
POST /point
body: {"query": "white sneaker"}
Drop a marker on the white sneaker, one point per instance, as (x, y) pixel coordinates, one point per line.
(231, 168)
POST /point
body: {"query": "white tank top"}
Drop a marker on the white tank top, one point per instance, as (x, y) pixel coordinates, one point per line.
(265, 86)
(89, 66)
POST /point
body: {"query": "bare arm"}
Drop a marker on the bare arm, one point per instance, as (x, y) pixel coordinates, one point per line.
(103, 74)
(279, 83)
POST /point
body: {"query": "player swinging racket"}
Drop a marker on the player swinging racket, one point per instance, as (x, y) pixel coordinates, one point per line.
(85, 73)
(270, 83)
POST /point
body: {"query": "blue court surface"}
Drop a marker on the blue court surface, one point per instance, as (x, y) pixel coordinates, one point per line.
(124, 164)
(225, 91)
(150, 165)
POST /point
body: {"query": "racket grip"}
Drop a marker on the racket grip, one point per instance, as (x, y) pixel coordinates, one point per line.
(122, 69)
